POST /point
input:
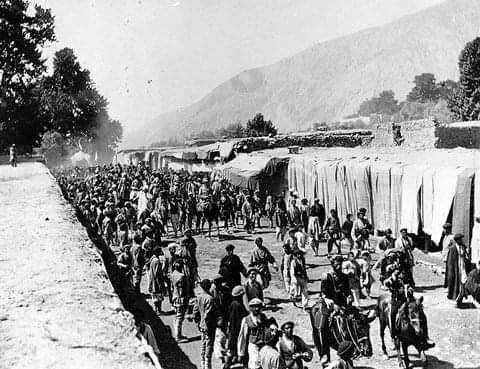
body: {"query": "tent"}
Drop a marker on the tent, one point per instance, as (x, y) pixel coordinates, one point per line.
(296, 175)
(406, 194)
(247, 171)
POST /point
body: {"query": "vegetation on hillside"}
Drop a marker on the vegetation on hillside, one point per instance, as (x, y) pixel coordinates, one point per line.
(255, 127)
(427, 99)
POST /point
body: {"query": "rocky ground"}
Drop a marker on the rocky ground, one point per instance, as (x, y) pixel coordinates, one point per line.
(57, 309)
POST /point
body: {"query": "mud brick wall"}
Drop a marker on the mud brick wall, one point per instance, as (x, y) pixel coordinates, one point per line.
(418, 134)
(352, 138)
(450, 137)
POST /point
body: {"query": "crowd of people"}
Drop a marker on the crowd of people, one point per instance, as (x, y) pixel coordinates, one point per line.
(150, 218)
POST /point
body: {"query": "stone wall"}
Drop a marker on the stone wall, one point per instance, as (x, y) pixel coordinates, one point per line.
(345, 138)
(465, 134)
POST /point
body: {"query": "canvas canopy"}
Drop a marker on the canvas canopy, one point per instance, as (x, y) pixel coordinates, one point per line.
(246, 171)
(221, 150)
(418, 192)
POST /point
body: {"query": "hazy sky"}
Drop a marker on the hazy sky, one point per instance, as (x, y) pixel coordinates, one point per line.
(152, 56)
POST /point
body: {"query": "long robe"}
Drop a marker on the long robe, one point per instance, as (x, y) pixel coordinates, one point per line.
(156, 275)
(453, 277)
(236, 312)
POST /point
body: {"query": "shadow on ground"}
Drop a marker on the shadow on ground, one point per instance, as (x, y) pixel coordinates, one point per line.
(171, 355)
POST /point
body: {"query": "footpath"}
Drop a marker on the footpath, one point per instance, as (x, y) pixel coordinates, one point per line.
(57, 307)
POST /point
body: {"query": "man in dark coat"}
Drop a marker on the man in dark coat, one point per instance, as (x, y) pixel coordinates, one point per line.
(456, 269)
(259, 259)
(318, 210)
(231, 268)
(205, 316)
(333, 230)
(336, 284)
(319, 317)
(235, 314)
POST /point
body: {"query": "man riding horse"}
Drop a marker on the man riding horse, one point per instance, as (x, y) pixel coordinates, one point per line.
(404, 316)
(335, 320)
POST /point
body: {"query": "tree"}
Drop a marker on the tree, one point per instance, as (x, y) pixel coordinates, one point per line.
(205, 134)
(105, 137)
(425, 89)
(446, 89)
(70, 103)
(385, 103)
(22, 37)
(234, 130)
(258, 126)
(71, 106)
(412, 110)
(319, 126)
(465, 102)
(54, 147)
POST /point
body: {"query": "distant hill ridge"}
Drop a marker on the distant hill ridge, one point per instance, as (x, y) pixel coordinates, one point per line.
(331, 79)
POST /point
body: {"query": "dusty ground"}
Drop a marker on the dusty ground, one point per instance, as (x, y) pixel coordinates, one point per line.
(456, 331)
(57, 309)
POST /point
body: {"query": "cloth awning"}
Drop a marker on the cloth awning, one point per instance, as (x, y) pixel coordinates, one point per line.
(246, 171)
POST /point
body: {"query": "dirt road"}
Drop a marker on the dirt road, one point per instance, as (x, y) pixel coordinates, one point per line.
(57, 309)
(455, 331)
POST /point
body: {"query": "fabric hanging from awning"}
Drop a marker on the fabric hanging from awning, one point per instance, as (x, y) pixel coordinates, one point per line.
(461, 204)
(428, 198)
(395, 194)
(309, 179)
(396, 177)
(342, 206)
(444, 187)
(411, 184)
(381, 187)
(362, 187)
(320, 183)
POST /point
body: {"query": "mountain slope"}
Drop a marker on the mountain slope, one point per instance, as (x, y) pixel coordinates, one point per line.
(331, 79)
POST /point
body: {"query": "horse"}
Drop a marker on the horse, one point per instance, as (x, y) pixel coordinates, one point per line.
(354, 327)
(411, 323)
(208, 211)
